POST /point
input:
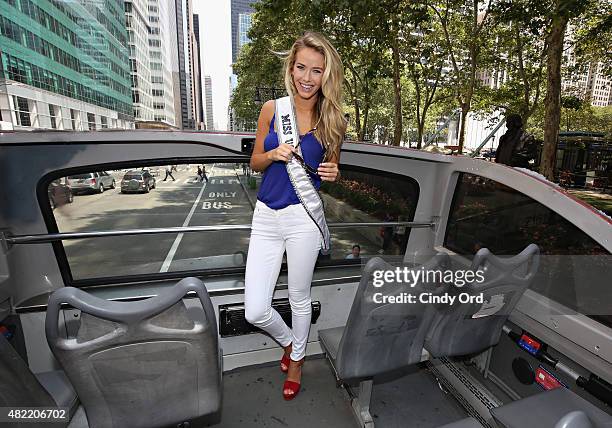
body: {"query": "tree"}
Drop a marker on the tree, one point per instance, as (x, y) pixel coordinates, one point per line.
(353, 27)
(561, 12)
(520, 53)
(465, 26)
(425, 60)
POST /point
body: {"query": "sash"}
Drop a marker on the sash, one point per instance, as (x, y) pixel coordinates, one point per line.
(288, 133)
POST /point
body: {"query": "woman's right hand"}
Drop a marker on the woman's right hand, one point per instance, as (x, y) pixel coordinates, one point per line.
(282, 153)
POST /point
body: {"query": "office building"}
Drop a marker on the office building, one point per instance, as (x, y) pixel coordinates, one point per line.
(587, 81)
(197, 74)
(241, 12)
(186, 77)
(160, 61)
(138, 24)
(209, 103)
(64, 65)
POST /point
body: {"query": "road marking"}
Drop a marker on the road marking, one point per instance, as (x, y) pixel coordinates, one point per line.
(177, 241)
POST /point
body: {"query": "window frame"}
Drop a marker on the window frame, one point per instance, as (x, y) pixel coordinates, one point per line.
(62, 259)
(466, 258)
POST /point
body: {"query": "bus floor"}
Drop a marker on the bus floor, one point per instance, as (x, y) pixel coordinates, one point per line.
(252, 397)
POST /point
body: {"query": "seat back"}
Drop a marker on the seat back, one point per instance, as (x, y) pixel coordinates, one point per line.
(382, 337)
(146, 363)
(466, 328)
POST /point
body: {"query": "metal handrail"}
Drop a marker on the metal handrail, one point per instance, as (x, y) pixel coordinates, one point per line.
(54, 237)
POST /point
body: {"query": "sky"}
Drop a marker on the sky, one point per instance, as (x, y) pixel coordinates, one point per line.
(216, 53)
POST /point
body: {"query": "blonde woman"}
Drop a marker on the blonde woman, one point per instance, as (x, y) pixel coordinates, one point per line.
(281, 223)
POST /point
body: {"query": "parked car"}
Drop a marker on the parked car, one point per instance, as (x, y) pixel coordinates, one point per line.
(59, 193)
(137, 181)
(91, 182)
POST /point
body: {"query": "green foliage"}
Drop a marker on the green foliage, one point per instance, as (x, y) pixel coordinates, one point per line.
(374, 200)
(445, 48)
(583, 118)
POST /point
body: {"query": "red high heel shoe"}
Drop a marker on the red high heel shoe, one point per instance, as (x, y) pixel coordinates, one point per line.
(291, 385)
(294, 387)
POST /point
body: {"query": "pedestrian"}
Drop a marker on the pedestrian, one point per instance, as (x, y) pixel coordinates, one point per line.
(200, 174)
(311, 128)
(204, 177)
(168, 173)
(355, 252)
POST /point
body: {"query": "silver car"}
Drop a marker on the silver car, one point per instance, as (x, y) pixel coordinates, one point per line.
(137, 181)
(91, 182)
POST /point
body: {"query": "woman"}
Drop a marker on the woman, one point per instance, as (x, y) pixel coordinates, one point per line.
(313, 78)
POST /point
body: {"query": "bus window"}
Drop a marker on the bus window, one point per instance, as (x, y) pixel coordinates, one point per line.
(573, 269)
(163, 196)
(158, 196)
(363, 196)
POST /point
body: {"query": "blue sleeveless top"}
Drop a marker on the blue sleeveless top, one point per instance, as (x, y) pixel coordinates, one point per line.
(276, 190)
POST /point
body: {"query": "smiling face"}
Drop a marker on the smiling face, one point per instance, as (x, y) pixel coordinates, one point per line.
(307, 72)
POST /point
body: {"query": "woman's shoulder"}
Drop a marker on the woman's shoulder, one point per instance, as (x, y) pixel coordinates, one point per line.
(267, 110)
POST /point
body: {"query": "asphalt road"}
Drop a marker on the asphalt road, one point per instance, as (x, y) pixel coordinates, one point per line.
(185, 202)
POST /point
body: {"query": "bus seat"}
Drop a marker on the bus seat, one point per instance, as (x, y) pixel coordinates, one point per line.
(147, 363)
(464, 423)
(575, 419)
(557, 408)
(467, 328)
(19, 387)
(378, 337)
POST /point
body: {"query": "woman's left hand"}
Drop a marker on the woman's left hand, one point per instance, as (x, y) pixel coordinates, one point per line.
(328, 171)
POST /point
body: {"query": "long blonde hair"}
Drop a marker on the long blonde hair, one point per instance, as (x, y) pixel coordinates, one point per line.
(330, 122)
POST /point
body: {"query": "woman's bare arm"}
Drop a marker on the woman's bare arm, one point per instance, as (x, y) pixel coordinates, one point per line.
(261, 159)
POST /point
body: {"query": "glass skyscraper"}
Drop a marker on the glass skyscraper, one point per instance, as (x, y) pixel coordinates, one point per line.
(65, 65)
(241, 11)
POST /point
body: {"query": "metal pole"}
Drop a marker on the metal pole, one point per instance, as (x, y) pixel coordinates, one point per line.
(10, 240)
(486, 140)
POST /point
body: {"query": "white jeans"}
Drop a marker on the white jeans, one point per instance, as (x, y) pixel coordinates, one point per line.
(273, 232)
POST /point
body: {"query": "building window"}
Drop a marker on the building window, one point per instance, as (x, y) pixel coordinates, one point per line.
(91, 121)
(52, 115)
(22, 111)
(104, 122)
(73, 118)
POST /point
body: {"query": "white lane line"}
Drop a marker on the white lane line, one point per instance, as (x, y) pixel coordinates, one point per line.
(177, 241)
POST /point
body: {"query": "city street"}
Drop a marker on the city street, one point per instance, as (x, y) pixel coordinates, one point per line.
(184, 202)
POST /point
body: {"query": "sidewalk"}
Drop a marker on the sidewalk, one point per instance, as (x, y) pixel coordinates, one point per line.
(250, 193)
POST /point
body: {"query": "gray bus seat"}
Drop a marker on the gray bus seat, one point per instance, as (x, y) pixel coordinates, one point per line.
(19, 387)
(379, 337)
(551, 409)
(575, 419)
(464, 423)
(467, 328)
(148, 363)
